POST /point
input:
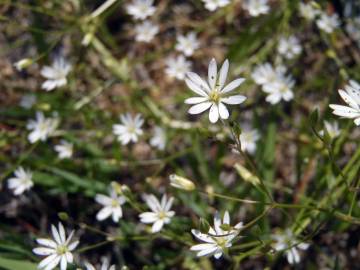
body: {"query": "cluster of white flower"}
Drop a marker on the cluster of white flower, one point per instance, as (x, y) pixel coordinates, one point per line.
(130, 130)
(325, 22)
(140, 10)
(254, 7)
(177, 67)
(274, 82)
(289, 47)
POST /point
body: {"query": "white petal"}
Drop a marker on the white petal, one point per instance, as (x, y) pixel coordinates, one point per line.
(214, 113)
(200, 83)
(53, 263)
(212, 73)
(217, 255)
(195, 100)
(232, 100)
(48, 260)
(63, 263)
(202, 236)
(226, 218)
(73, 245)
(46, 242)
(55, 234)
(231, 86)
(223, 74)
(208, 251)
(223, 111)
(102, 199)
(348, 99)
(42, 251)
(199, 108)
(157, 226)
(344, 111)
(202, 247)
(62, 233)
(357, 121)
(148, 217)
(104, 213)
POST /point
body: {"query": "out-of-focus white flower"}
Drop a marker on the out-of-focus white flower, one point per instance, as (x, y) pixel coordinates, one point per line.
(218, 239)
(307, 11)
(265, 73)
(41, 127)
(64, 149)
(181, 182)
(288, 242)
(279, 89)
(289, 47)
(21, 182)
(177, 67)
(146, 31)
(256, 7)
(248, 139)
(159, 138)
(55, 74)
(332, 129)
(351, 95)
(104, 266)
(57, 250)
(215, 4)
(130, 128)
(187, 44)
(161, 213)
(328, 23)
(213, 94)
(27, 101)
(141, 9)
(23, 63)
(111, 206)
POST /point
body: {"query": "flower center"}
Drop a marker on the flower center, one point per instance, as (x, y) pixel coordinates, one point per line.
(114, 203)
(221, 241)
(215, 96)
(62, 249)
(162, 215)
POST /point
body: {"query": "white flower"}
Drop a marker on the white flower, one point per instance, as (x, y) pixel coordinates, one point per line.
(130, 128)
(187, 44)
(213, 94)
(332, 129)
(287, 241)
(41, 127)
(351, 95)
(55, 74)
(141, 9)
(289, 47)
(159, 138)
(111, 206)
(57, 250)
(215, 4)
(256, 7)
(328, 23)
(307, 11)
(146, 31)
(160, 214)
(218, 239)
(104, 266)
(265, 73)
(248, 139)
(279, 89)
(64, 149)
(177, 67)
(27, 101)
(21, 182)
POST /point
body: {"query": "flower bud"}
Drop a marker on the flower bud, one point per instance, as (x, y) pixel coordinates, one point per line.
(247, 175)
(181, 182)
(23, 63)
